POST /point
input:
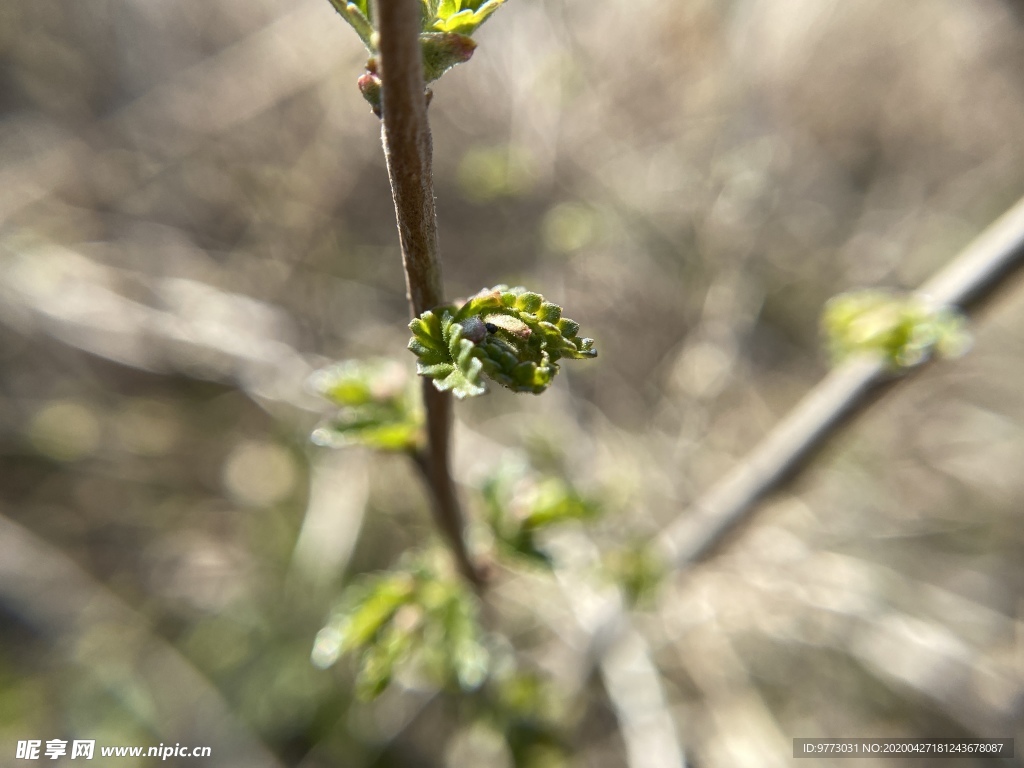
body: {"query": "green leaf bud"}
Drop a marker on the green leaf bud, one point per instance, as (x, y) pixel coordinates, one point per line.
(371, 87)
(524, 338)
(444, 40)
(906, 330)
(442, 51)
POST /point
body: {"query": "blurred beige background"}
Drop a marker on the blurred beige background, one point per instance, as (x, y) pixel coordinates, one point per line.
(194, 215)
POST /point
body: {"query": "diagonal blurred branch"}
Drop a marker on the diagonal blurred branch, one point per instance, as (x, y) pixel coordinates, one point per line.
(701, 527)
(969, 279)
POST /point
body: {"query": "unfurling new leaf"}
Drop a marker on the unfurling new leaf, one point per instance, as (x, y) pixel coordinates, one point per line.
(462, 16)
(512, 335)
(444, 37)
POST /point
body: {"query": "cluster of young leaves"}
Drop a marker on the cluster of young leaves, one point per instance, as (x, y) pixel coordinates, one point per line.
(905, 329)
(423, 618)
(519, 506)
(512, 335)
(415, 614)
(444, 38)
(377, 406)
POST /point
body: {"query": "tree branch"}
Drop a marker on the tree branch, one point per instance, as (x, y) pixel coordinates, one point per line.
(705, 523)
(970, 278)
(407, 148)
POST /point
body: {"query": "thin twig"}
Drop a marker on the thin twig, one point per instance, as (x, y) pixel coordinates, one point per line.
(407, 147)
(693, 534)
(966, 281)
(972, 277)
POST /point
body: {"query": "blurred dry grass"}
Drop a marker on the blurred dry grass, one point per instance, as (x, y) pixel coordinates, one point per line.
(194, 213)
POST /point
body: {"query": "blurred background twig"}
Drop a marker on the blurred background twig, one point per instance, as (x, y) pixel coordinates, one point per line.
(971, 277)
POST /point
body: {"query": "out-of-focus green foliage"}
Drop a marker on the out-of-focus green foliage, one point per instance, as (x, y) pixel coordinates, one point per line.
(417, 613)
(518, 507)
(377, 406)
(905, 329)
(526, 710)
(511, 334)
(444, 38)
(637, 570)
